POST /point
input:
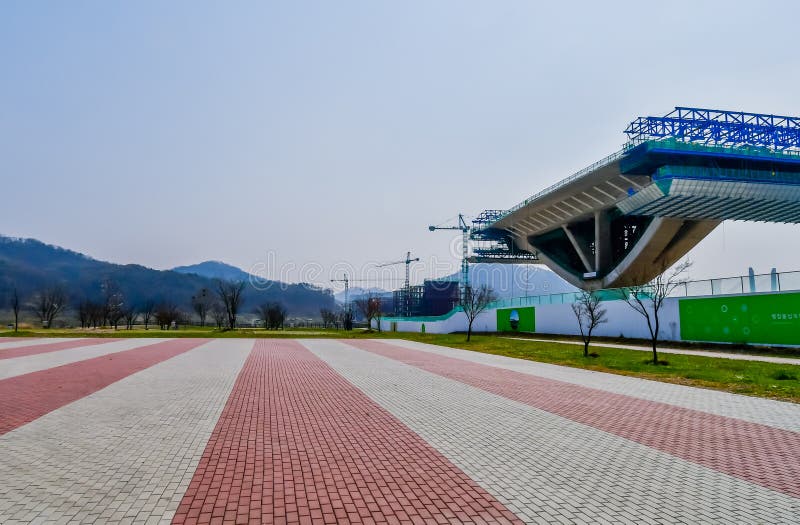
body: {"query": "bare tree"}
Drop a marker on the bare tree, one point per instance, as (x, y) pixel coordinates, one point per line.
(475, 302)
(328, 317)
(218, 314)
(147, 310)
(369, 309)
(648, 299)
(166, 313)
(230, 294)
(15, 307)
(201, 304)
(48, 304)
(130, 315)
(590, 314)
(114, 302)
(275, 316)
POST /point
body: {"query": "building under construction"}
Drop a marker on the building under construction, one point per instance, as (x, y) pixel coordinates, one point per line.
(434, 297)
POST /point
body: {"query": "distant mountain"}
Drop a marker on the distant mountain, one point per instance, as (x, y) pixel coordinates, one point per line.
(30, 265)
(215, 270)
(356, 292)
(515, 280)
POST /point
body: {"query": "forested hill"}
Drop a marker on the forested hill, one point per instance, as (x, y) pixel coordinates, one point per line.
(30, 265)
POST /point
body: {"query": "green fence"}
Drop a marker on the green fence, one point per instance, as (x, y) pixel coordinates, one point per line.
(759, 319)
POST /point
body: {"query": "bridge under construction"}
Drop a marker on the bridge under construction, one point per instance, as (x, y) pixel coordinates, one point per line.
(631, 215)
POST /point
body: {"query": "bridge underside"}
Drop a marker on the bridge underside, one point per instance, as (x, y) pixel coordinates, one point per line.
(632, 217)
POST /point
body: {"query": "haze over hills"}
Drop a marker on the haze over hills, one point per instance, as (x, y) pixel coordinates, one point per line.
(507, 280)
(215, 270)
(30, 265)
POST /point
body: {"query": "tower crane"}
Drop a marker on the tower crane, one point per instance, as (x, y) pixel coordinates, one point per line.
(464, 228)
(407, 261)
(346, 280)
(407, 287)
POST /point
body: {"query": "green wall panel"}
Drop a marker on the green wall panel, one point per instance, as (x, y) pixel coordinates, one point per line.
(525, 319)
(767, 319)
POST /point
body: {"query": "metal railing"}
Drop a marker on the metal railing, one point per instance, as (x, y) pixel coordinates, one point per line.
(575, 176)
(744, 284)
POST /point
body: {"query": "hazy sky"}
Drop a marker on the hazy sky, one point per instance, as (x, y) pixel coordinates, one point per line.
(317, 135)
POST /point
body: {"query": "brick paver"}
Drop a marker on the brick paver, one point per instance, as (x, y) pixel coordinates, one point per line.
(27, 397)
(12, 339)
(299, 444)
(33, 363)
(20, 348)
(148, 431)
(126, 453)
(757, 453)
(550, 469)
(769, 412)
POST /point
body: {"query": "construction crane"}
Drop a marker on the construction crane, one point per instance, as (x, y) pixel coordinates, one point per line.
(346, 280)
(407, 287)
(407, 261)
(464, 228)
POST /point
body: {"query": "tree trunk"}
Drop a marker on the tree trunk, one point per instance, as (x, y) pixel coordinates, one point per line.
(469, 330)
(655, 353)
(586, 348)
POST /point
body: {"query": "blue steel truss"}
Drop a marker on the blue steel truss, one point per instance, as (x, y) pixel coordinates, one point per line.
(715, 127)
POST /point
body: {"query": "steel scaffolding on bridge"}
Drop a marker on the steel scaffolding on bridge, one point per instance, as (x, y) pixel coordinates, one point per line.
(629, 216)
(711, 126)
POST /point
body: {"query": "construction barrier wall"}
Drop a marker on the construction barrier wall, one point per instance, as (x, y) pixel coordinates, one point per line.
(763, 318)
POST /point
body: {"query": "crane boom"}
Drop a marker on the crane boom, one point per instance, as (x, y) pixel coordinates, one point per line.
(464, 228)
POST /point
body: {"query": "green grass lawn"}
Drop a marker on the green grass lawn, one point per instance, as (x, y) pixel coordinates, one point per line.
(754, 378)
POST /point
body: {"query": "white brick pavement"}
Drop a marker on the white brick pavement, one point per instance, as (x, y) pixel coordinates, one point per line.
(777, 414)
(547, 468)
(124, 454)
(17, 366)
(33, 342)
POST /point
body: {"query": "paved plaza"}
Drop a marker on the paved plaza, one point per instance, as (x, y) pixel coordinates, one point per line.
(373, 431)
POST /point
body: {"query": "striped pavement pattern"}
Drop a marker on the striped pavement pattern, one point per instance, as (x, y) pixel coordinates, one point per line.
(361, 431)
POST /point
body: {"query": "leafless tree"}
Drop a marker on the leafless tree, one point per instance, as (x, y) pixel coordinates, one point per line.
(114, 302)
(130, 315)
(147, 310)
(274, 315)
(475, 302)
(328, 317)
(48, 304)
(166, 313)
(201, 304)
(648, 299)
(15, 307)
(218, 314)
(590, 314)
(230, 294)
(369, 308)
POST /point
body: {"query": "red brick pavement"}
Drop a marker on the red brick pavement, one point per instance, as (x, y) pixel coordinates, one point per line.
(27, 397)
(297, 443)
(757, 453)
(22, 351)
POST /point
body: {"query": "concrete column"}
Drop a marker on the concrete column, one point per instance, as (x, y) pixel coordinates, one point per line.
(578, 249)
(602, 242)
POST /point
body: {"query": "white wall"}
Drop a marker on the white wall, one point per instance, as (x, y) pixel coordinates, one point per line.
(484, 322)
(557, 319)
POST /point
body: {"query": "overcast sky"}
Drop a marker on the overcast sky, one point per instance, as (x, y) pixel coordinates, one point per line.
(317, 135)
